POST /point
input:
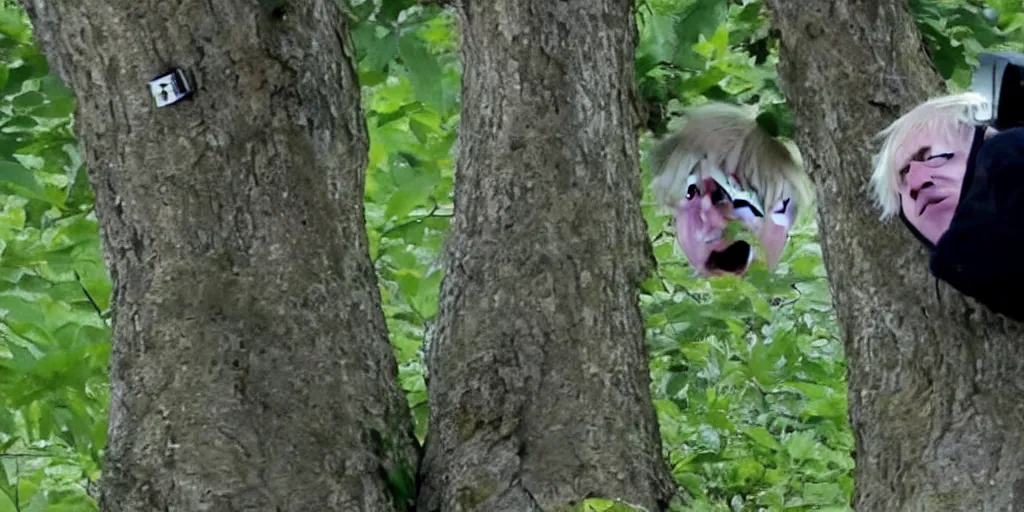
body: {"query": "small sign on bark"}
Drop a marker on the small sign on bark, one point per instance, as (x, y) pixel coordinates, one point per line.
(170, 88)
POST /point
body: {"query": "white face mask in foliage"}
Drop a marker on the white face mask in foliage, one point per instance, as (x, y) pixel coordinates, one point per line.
(724, 168)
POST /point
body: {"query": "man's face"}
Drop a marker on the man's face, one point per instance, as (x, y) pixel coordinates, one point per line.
(703, 217)
(930, 175)
(701, 220)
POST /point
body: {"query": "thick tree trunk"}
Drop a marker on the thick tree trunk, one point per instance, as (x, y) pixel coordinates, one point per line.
(934, 378)
(251, 368)
(539, 385)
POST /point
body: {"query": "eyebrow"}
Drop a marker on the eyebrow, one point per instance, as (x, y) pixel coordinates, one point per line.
(916, 156)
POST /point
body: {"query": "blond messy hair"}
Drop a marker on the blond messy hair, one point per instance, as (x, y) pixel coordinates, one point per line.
(728, 137)
(950, 118)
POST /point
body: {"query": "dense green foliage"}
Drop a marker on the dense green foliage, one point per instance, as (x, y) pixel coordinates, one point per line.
(748, 374)
(54, 291)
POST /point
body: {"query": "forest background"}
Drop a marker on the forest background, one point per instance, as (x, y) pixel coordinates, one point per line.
(745, 422)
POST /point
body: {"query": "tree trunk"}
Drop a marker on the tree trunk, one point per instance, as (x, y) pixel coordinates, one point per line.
(539, 385)
(934, 378)
(250, 364)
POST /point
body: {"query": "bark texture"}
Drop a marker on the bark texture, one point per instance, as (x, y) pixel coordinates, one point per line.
(539, 384)
(934, 378)
(251, 368)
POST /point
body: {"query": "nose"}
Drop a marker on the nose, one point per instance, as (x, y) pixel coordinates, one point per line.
(918, 179)
(714, 216)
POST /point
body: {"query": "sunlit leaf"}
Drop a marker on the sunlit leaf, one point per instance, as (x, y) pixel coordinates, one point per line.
(424, 71)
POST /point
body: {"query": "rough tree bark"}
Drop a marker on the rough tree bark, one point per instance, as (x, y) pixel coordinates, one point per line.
(251, 368)
(539, 385)
(934, 378)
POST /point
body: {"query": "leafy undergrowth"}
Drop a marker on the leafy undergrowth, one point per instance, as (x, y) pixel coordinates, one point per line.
(54, 291)
(749, 383)
(748, 374)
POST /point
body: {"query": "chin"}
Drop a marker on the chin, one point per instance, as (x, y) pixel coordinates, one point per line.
(934, 234)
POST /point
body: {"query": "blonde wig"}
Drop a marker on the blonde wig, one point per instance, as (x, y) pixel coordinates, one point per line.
(728, 138)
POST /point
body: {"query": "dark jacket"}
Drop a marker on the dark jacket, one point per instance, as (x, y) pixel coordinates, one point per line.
(981, 254)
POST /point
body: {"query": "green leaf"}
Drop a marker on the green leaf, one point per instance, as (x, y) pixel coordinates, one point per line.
(822, 493)
(420, 130)
(7, 425)
(390, 9)
(21, 357)
(408, 197)
(20, 123)
(424, 71)
(382, 51)
(56, 109)
(701, 19)
(658, 42)
(761, 436)
(13, 26)
(704, 81)
(28, 100)
(52, 86)
(21, 179)
(402, 484)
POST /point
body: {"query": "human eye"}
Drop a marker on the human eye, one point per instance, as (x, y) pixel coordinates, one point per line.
(783, 208)
(938, 152)
(938, 159)
(692, 190)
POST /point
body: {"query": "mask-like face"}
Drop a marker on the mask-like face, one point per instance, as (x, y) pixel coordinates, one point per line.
(929, 182)
(701, 221)
(772, 231)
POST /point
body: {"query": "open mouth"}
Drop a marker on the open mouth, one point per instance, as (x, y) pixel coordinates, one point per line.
(734, 259)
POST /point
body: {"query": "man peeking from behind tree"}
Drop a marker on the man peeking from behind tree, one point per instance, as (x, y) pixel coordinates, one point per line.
(958, 186)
